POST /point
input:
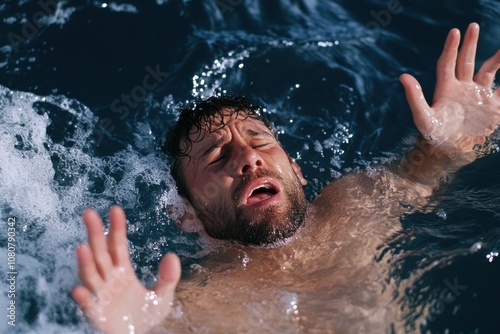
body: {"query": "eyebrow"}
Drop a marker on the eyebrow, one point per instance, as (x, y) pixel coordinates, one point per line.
(217, 144)
(254, 133)
(223, 138)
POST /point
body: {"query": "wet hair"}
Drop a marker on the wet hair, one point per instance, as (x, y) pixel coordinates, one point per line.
(196, 121)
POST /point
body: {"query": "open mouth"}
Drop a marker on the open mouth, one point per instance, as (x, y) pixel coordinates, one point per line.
(261, 192)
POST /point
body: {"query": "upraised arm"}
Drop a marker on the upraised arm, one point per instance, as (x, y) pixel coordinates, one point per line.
(111, 296)
(465, 110)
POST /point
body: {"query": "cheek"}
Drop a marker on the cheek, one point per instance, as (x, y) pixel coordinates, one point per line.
(232, 166)
(211, 189)
(280, 164)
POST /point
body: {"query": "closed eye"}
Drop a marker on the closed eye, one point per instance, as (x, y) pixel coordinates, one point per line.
(261, 145)
(219, 158)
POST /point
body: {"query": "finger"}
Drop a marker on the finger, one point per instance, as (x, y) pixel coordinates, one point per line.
(87, 269)
(446, 64)
(168, 276)
(467, 54)
(486, 74)
(419, 107)
(97, 242)
(85, 300)
(117, 238)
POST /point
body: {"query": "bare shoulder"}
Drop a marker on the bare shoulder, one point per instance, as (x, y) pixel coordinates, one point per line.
(345, 191)
(371, 192)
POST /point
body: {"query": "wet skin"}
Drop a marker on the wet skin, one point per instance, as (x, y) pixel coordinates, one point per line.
(328, 264)
(243, 185)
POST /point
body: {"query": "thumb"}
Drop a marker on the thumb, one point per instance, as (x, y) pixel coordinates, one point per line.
(169, 274)
(420, 109)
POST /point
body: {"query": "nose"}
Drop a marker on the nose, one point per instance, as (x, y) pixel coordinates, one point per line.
(246, 160)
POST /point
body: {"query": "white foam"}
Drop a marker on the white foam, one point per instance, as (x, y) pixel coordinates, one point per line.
(59, 17)
(47, 198)
(125, 7)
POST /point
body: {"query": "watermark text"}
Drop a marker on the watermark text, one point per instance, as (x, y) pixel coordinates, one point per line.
(11, 271)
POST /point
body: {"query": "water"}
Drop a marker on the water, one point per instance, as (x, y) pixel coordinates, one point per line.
(85, 102)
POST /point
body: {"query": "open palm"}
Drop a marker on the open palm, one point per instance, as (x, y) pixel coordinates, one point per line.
(465, 109)
(111, 296)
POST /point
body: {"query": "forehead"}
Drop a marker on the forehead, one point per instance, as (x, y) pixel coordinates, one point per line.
(216, 127)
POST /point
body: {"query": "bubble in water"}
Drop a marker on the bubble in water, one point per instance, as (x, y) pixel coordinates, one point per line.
(441, 214)
(491, 256)
(476, 247)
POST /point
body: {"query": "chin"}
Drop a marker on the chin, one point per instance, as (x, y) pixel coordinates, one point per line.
(272, 224)
(271, 230)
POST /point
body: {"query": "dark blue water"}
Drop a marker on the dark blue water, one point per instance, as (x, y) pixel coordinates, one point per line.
(89, 91)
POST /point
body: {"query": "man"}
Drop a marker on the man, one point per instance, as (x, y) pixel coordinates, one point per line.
(236, 179)
(240, 187)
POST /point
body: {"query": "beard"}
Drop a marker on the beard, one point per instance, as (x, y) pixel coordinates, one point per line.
(268, 225)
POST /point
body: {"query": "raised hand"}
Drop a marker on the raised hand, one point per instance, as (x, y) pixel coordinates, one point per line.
(111, 296)
(465, 109)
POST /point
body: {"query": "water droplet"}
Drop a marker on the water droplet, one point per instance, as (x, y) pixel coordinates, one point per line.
(491, 256)
(477, 246)
(441, 214)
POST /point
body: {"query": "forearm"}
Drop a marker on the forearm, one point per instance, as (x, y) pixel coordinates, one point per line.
(428, 164)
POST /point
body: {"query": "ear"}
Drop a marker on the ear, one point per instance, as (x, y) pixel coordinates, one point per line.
(298, 172)
(188, 222)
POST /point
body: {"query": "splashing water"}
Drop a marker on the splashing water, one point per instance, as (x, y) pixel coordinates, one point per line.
(325, 80)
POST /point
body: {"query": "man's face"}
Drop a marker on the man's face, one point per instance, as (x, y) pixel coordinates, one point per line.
(243, 185)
